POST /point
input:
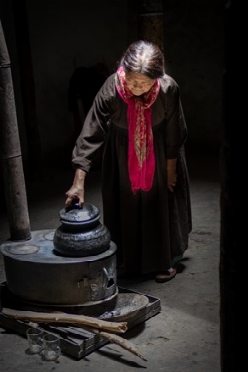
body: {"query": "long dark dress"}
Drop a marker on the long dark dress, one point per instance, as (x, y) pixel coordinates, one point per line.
(149, 228)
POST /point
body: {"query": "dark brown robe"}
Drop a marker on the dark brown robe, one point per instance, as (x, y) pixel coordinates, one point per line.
(149, 228)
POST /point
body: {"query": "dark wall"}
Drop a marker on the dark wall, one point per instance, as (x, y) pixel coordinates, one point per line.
(194, 51)
(67, 34)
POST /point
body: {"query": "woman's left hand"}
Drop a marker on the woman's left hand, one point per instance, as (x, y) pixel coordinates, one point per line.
(171, 179)
(171, 174)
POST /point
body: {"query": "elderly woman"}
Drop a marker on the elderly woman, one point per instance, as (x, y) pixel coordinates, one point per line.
(138, 117)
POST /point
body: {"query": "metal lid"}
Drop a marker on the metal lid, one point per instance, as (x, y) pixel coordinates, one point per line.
(76, 214)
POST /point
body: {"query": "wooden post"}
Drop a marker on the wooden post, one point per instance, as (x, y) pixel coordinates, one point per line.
(10, 152)
(150, 22)
(27, 87)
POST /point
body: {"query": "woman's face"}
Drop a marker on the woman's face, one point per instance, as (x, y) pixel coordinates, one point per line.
(138, 83)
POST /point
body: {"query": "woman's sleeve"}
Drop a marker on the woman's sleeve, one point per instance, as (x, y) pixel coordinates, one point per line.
(94, 129)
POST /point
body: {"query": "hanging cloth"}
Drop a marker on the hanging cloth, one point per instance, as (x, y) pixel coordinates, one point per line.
(141, 159)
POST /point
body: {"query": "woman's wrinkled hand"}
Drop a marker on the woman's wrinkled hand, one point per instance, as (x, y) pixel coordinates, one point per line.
(171, 174)
(76, 192)
(171, 179)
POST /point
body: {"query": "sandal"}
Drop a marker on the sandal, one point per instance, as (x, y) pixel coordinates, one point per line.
(166, 276)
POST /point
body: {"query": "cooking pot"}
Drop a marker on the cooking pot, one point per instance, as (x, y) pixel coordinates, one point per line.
(81, 233)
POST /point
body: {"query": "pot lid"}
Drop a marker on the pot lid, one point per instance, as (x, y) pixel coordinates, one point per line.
(79, 214)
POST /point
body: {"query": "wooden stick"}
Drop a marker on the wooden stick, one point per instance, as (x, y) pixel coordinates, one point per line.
(118, 327)
(97, 324)
(123, 343)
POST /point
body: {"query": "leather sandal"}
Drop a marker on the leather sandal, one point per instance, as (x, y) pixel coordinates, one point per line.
(166, 276)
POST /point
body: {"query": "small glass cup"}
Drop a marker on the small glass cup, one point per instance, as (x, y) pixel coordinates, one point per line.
(51, 347)
(35, 340)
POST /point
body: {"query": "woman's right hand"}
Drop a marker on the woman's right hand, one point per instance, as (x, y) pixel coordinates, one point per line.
(76, 192)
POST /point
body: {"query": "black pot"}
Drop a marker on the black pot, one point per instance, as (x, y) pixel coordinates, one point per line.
(81, 233)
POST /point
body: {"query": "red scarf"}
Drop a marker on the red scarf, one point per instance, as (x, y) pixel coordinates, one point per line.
(141, 159)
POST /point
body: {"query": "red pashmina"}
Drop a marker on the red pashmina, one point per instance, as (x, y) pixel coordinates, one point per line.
(141, 159)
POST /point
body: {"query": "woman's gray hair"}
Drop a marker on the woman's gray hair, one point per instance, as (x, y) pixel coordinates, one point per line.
(145, 58)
